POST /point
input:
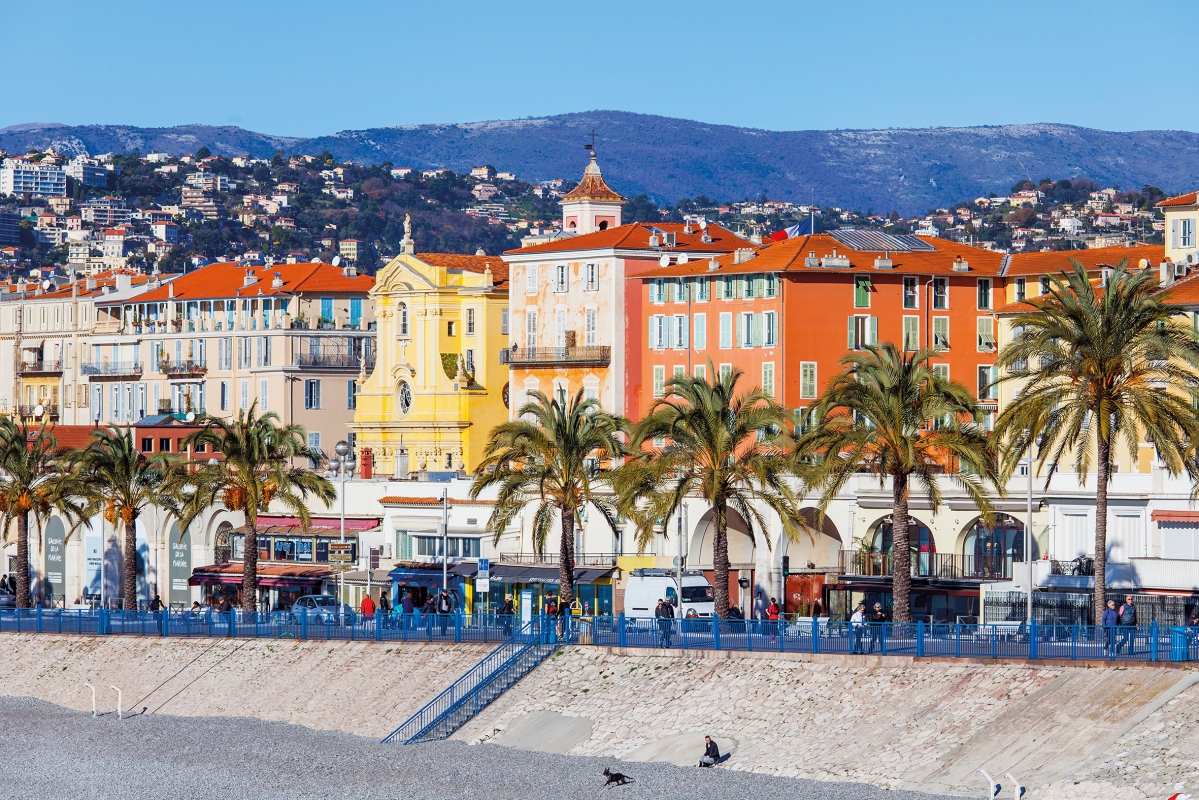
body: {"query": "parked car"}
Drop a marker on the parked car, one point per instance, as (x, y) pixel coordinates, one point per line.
(322, 608)
(7, 600)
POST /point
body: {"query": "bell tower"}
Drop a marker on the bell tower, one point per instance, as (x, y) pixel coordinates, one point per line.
(591, 206)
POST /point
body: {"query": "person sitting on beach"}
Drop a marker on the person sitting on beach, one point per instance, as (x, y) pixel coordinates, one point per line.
(711, 753)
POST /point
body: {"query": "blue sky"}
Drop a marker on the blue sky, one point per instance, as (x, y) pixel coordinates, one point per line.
(307, 68)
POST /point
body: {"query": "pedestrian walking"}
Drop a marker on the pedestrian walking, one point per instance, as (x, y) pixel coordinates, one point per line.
(665, 616)
(367, 607)
(877, 619)
(857, 627)
(1109, 622)
(772, 617)
(444, 608)
(407, 610)
(1128, 626)
(385, 609)
(506, 613)
(430, 610)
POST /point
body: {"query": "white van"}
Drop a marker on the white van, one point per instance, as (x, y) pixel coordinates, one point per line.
(645, 587)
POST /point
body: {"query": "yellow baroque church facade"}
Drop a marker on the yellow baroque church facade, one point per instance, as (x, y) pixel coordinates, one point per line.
(438, 387)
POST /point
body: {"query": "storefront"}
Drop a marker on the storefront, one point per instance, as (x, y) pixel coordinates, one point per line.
(933, 600)
(279, 585)
(420, 579)
(538, 585)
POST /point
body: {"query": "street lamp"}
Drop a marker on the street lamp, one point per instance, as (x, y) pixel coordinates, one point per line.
(343, 467)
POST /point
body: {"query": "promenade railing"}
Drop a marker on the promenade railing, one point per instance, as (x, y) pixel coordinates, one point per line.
(1003, 640)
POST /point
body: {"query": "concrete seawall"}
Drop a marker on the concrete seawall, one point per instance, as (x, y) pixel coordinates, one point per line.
(364, 688)
(1068, 731)
(892, 722)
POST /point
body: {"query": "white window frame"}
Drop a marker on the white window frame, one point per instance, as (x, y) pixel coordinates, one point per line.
(561, 278)
(726, 330)
(531, 279)
(590, 325)
(985, 284)
(768, 378)
(679, 332)
(700, 335)
(911, 325)
(659, 381)
(530, 328)
(770, 326)
(592, 272)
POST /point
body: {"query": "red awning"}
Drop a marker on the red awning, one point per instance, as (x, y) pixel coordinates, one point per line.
(269, 575)
(1175, 516)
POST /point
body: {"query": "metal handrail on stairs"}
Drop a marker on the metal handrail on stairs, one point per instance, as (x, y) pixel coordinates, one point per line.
(484, 682)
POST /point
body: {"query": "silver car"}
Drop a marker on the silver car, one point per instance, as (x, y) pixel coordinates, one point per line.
(322, 608)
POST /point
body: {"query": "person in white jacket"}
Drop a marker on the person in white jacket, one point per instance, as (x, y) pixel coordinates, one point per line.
(857, 627)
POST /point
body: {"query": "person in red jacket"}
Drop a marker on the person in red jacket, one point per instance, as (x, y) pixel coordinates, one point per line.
(368, 606)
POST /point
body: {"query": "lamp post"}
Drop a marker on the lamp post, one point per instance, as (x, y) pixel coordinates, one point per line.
(343, 466)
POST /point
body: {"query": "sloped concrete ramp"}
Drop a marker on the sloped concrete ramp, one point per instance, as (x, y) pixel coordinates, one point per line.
(545, 732)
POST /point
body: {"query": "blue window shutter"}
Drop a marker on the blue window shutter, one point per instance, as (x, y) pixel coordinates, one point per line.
(874, 330)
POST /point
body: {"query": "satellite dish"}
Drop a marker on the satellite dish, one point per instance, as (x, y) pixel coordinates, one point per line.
(683, 259)
(46, 284)
(191, 416)
(336, 260)
(664, 261)
(38, 410)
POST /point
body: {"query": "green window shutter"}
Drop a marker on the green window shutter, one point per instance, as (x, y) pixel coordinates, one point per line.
(757, 332)
(740, 330)
(852, 341)
(874, 330)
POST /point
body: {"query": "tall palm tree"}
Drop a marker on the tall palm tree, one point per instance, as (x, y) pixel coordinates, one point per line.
(255, 468)
(1098, 367)
(728, 446)
(550, 457)
(891, 415)
(33, 480)
(115, 479)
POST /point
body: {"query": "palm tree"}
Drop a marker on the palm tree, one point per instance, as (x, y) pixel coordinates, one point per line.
(550, 456)
(255, 468)
(1097, 367)
(891, 415)
(33, 480)
(113, 477)
(729, 447)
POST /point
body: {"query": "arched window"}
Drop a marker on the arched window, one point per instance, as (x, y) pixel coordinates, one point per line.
(222, 546)
(992, 550)
(921, 545)
(403, 319)
(603, 226)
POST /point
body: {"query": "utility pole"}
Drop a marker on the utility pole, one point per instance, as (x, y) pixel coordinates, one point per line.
(1028, 538)
(445, 528)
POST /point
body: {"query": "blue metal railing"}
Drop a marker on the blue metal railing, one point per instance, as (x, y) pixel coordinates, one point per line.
(1001, 640)
(484, 682)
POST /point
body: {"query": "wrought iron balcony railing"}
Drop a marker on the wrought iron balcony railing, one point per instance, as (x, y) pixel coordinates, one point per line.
(595, 355)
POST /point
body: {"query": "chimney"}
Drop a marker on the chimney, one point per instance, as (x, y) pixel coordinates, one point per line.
(756, 238)
(171, 290)
(488, 279)
(251, 278)
(961, 265)
(90, 284)
(713, 265)
(277, 283)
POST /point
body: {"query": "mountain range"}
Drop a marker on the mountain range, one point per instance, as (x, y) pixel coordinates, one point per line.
(908, 170)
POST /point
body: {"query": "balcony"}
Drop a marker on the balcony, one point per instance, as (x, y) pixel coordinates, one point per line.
(112, 369)
(535, 357)
(334, 361)
(581, 559)
(929, 565)
(184, 369)
(40, 368)
(30, 412)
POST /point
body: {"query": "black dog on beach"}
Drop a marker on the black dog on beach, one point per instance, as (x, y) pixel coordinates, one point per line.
(619, 778)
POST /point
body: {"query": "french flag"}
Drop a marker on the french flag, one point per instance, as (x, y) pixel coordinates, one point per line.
(802, 229)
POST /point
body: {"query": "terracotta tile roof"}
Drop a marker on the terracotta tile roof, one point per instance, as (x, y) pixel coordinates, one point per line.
(635, 236)
(1184, 292)
(69, 437)
(396, 500)
(102, 279)
(1189, 199)
(1059, 261)
(226, 281)
(499, 270)
(789, 255)
(592, 187)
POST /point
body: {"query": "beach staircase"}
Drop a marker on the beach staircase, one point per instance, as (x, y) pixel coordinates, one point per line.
(484, 682)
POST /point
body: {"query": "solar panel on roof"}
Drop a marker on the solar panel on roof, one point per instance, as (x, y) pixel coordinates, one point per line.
(878, 242)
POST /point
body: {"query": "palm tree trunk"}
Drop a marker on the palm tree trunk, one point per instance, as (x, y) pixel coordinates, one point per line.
(901, 556)
(566, 558)
(720, 563)
(23, 598)
(249, 572)
(131, 565)
(1103, 451)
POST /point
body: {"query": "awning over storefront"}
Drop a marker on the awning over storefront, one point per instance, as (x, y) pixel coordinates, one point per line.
(410, 573)
(273, 576)
(358, 577)
(323, 531)
(1174, 516)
